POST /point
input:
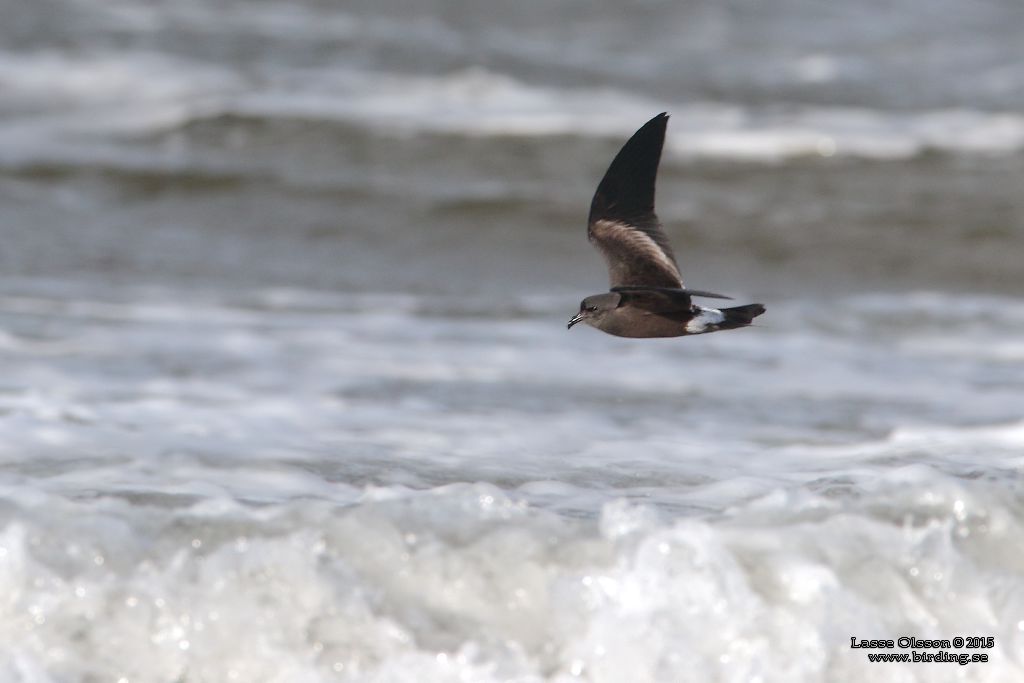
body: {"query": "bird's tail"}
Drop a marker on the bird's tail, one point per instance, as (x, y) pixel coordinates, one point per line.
(740, 316)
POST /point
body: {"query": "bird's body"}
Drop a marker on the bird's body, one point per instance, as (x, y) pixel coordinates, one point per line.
(647, 297)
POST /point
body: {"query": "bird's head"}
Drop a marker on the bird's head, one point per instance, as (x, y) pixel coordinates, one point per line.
(594, 308)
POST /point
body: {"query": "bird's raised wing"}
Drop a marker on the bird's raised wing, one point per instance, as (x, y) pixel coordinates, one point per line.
(622, 221)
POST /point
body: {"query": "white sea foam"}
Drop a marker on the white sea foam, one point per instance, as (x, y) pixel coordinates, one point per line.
(464, 582)
(308, 486)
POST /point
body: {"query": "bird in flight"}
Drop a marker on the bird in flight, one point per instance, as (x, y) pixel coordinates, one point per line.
(647, 298)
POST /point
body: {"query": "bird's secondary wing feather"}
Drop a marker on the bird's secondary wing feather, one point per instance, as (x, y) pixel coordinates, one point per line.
(623, 224)
(659, 301)
(672, 290)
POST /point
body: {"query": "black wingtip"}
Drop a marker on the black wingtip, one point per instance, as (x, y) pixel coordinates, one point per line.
(655, 129)
(627, 190)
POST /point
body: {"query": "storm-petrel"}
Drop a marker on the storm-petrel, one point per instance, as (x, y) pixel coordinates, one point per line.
(647, 298)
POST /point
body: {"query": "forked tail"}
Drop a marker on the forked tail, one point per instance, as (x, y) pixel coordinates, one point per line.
(739, 316)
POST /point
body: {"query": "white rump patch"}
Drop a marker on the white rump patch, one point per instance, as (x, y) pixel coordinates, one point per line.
(705, 319)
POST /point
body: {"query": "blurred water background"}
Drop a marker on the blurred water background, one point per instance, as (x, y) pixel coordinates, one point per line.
(287, 393)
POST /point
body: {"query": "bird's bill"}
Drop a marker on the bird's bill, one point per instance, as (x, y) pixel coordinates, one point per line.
(575, 319)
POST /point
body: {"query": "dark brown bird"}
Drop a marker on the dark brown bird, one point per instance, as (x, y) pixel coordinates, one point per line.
(647, 298)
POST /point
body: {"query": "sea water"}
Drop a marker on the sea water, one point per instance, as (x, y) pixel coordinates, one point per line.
(287, 393)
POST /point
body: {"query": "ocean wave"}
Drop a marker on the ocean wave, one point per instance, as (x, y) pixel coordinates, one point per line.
(478, 102)
(286, 485)
(467, 582)
(111, 96)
